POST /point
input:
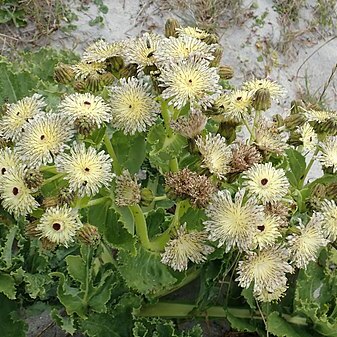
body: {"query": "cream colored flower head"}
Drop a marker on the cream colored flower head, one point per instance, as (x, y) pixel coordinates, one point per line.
(233, 223)
(274, 88)
(185, 247)
(271, 296)
(308, 137)
(16, 197)
(8, 160)
(266, 269)
(59, 225)
(319, 116)
(18, 114)
(329, 220)
(86, 107)
(267, 183)
(268, 232)
(192, 32)
(190, 81)
(85, 69)
(328, 157)
(183, 47)
(101, 50)
(142, 50)
(216, 154)
(86, 170)
(305, 245)
(239, 104)
(133, 108)
(44, 138)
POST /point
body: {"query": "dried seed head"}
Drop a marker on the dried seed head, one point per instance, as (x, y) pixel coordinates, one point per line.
(190, 126)
(33, 178)
(280, 210)
(171, 26)
(188, 184)
(261, 100)
(50, 202)
(89, 235)
(127, 190)
(226, 72)
(64, 73)
(244, 157)
(47, 244)
(31, 229)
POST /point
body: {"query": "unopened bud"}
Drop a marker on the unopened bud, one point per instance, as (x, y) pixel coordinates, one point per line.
(171, 26)
(226, 72)
(297, 107)
(63, 73)
(217, 57)
(33, 178)
(292, 122)
(211, 39)
(65, 197)
(89, 235)
(129, 71)
(84, 126)
(146, 197)
(261, 100)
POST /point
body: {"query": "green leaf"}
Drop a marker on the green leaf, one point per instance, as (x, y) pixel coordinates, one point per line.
(6, 253)
(15, 85)
(66, 323)
(278, 326)
(152, 275)
(11, 326)
(36, 284)
(7, 285)
(297, 167)
(76, 267)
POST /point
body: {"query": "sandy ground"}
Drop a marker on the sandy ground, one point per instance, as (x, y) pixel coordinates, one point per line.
(254, 47)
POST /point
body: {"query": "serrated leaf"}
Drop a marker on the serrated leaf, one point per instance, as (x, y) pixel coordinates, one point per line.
(76, 267)
(279, 327)
(15, 85)
(6, 254)
(66, 323)
(35, 284)
(152, 275)
(7, 286)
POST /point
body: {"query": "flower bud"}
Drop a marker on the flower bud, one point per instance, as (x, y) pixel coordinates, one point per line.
(171, 26)
(84, 126)
(146, 197)
(261, 100)
(89, 235)
(33, 178)
(129, 71)
(211, 39)
(217, 57)
(226, 72)
(292, 122)
(63, 73)
(65, 197)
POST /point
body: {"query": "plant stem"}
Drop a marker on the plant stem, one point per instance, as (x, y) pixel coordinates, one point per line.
(174, 167)
(95, 202)
(51, 179)
(308, 168)
(111, 151)
(248, 128)
(160, 197)
(166, 116)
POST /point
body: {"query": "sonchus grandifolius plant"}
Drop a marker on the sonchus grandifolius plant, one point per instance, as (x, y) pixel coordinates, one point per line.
(151, 171)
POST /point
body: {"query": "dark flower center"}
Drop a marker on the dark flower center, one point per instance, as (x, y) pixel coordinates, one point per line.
(130, 106)
(3, 170)
(239, 98)
(87, 103)
(56, 226)
(190, 81)
(42, 137)
(15, 190)
(261, 228)
(84, 183)
(264, 181)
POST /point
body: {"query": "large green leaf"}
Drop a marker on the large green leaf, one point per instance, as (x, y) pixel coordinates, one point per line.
(297, 167)
(152, 275)
(7, 285)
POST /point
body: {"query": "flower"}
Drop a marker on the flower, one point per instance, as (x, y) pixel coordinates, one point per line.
(266, 268)
(133, 108)
(190, 126)
(86, 107)
(59, 225)
(193, 32)
(275, 89)
(8, 160)
(101, 50)
(329, 221)
(239, 104)
(183, 47)
(184, 247)
(233, 223)
(319, 116)
(142, 50)
(190, 80)
(44, 137)
(16, 197)
(269, 138)
(18, 114)
(267, 183)
(216, 154)
(127, 190)
(270, 296)
(328, 156)
(86, 170)
(308, 137)
(304, 247)
(268, 231)
(84, 69)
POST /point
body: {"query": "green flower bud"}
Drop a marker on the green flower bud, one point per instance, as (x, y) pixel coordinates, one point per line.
(170, 28)
(261, 100)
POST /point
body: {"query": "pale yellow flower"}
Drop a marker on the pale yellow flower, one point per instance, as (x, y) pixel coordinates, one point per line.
(308, 137)
(271, 296)
(193, 32)
(59, 225)
(216, 154)
(84, 69)
(329, 221)
(267, 183)
(8, 160)
(328, 157)
(101, 50)
(268, 231)
(184, 247)
(233, 223)
(274, 88)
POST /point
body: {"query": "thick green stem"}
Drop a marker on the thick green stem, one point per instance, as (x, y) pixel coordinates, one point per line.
(174, 167)
(94, 202)
(167, 119)
(111, 151)
(160, 197)
(248, 128)
(177, 310)
(51, 179)
(308, 168)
